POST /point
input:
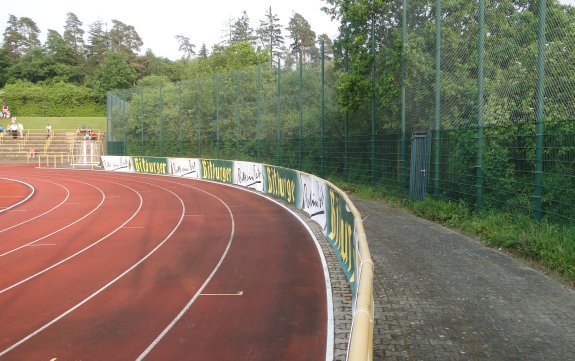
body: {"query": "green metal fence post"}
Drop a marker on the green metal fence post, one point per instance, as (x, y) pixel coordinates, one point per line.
(403, 176)
(278, 115)
(258, 111)
(322, 112)
(161, 120)
(142, 120)
(217, 116)
(372, 119)
(437, 126)
(198, 118)
(480, 106)
(540, 116)
(238, 114)
(300, 109)
(180, 131)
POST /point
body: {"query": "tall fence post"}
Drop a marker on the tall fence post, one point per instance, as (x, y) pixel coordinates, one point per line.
(300, 104)
(540, 116)
(161, 120)
(198, 118)
(238, 114)
(480, 106)
(373, 99)
(258, 115)
(278, 114)
(402, 178)
(437, 126)
(322, 112)
(180, 131)
(217, 116)
(142, 120)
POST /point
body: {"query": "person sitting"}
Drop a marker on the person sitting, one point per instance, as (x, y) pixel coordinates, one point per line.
(5, 111)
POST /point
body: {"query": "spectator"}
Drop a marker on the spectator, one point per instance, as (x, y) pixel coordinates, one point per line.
(48, 130)
(20, 128)
(5, 111)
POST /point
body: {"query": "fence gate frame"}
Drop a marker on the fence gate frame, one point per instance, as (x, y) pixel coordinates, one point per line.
(419, 165)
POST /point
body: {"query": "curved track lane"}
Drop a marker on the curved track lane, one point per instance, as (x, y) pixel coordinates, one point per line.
(118, 266)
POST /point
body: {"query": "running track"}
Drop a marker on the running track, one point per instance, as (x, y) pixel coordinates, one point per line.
(112, 266)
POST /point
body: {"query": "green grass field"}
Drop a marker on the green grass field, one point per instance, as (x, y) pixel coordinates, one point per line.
(96, 123)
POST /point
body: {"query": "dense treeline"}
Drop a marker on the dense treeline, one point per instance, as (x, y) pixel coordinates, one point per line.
(70, 73)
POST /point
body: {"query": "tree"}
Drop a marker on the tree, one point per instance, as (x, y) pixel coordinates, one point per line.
(303, 38)
(58, 49)
(114, 73)
(21, 36)
(98, 44)
(186, 47)
(74, 36)
(203, 53)
(34, 66)
(270, 35)
(124, 39)
(242, 31)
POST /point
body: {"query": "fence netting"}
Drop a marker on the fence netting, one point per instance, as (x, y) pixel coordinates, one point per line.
(490, 83)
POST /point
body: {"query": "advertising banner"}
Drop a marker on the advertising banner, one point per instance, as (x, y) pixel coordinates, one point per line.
(249, 175)
(281, 183)
(217, 170)
(313, 198)
(340, 233)
(151, 165)
(117, 163)
(184, 167)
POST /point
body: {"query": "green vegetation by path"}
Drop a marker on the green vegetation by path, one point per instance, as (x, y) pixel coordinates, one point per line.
(98, 123)
(546, 246)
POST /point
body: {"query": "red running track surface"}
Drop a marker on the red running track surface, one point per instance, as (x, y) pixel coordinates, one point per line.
(115, 266)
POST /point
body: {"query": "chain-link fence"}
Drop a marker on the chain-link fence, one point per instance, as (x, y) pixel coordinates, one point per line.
(490, 82)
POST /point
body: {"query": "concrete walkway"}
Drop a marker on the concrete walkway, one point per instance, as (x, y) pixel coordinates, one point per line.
(442, 296)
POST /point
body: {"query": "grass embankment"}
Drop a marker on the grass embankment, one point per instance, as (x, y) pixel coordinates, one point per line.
(96, 123)
(546, 246)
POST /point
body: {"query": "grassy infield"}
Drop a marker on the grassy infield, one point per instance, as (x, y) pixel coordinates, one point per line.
(547, 246)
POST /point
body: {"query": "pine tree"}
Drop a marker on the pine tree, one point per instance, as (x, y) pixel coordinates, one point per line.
(270, 35)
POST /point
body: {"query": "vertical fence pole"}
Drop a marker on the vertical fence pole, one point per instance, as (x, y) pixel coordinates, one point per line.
(402, 177)
(480, 106)
(142, 120)
(278, 116)
(162, 120)
(437, 126)
(540, 115)
(373, 99)
(322, 112)
(198, 118)
(217, 116)
(301, 107)
(346, 129)
(180, 131)
(238, 114)
(258, 115)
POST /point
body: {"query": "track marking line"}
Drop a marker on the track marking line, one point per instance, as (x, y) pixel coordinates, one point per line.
(42, 244)
(239, 293)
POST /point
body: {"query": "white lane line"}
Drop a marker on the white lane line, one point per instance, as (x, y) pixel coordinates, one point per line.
(239, 293)
(42, 244)
(63, 228)
(103, 288)
(199, 292)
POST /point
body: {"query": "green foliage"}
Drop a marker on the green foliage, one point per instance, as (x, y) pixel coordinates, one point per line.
(58, 99)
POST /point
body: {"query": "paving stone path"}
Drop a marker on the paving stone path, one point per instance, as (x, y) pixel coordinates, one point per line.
(443, 296)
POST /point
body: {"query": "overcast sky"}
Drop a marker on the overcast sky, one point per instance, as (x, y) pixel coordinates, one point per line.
(158, 22)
